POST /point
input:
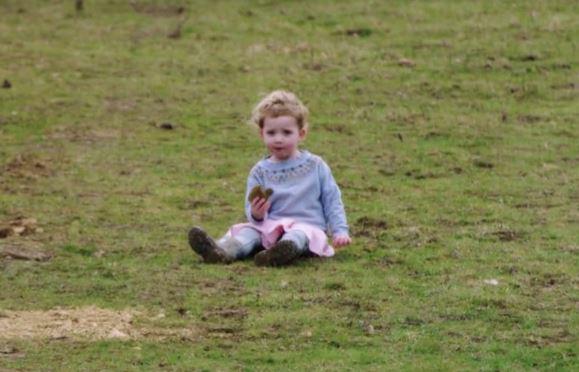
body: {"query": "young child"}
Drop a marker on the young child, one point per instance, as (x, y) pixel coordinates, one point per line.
(305, 203)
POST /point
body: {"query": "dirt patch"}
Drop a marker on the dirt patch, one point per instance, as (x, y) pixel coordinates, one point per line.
(338, 128)
(19, 226)
(83, 135)
(84, 323)
(239, 314)
(356, 32)
(483, 164)
(114, 105)
(508, 235)
(24, 250)
(418, 174)
(370, 227)
(555, 337)
(158, 10)
(529, 119)
(27, 166)
(571, 86)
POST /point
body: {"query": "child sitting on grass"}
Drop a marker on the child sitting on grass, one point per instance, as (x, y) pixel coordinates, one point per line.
(301, 203)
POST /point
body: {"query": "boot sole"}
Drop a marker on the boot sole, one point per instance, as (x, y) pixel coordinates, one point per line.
(283, 253)
(204, 246)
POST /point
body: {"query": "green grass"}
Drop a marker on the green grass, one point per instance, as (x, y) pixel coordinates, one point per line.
(460, 169)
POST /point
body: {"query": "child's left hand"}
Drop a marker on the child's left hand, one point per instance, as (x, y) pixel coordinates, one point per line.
(342, 240)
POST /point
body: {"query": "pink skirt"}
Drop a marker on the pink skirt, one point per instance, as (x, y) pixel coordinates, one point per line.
(272, 230)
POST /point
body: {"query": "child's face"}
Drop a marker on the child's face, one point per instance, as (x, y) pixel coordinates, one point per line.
(282, 135)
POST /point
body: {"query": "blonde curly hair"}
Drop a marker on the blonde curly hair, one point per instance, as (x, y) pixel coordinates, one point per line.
(280, 103)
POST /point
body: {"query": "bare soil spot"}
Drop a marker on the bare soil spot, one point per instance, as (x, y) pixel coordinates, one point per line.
(227, 286)
(157, 9)
(10, 351)
(84, 135)
(27, 166)
(418, 174)
(370, 227)
(529, 119)
(338, 128)
(358, 32)
(299, 48)
(24, 250)
(434, 134)
(195, 204)
(483, 164)
(407, 118)
(507, 235)
(548, 280)
(314, 66)
(225, 313)
(570, 86)
(529, 57)
(86, 323)
(335, 286)
(113, 105)
(19, 226)
(388, 261)
(552, 338)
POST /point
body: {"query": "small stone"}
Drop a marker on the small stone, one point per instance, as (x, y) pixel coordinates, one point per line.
(6, 84)
(491, 281)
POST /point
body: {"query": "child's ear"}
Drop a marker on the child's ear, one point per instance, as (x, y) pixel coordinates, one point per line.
(303, 133)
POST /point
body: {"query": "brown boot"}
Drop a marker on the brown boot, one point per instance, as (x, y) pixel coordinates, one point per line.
(281, 254)
(203, 245)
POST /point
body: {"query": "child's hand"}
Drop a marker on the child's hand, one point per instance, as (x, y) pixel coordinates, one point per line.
(259, 207)
(342, 240)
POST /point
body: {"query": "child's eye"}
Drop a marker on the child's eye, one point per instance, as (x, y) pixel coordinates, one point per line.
(270, 132)
(287, 132)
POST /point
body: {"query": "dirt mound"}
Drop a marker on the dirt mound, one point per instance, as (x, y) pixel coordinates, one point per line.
(85, 323)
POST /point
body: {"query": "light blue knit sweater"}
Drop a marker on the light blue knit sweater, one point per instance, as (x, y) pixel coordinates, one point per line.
(303, 189)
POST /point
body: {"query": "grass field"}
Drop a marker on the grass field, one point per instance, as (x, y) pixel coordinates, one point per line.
(451, 126)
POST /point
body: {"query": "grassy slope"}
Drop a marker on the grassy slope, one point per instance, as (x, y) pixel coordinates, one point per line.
(461, 169)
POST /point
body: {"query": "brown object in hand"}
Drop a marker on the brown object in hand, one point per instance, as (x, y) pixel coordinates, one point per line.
(259, 192)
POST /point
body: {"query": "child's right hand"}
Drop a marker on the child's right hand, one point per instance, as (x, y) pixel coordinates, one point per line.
(259, 207)
(342, 240)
